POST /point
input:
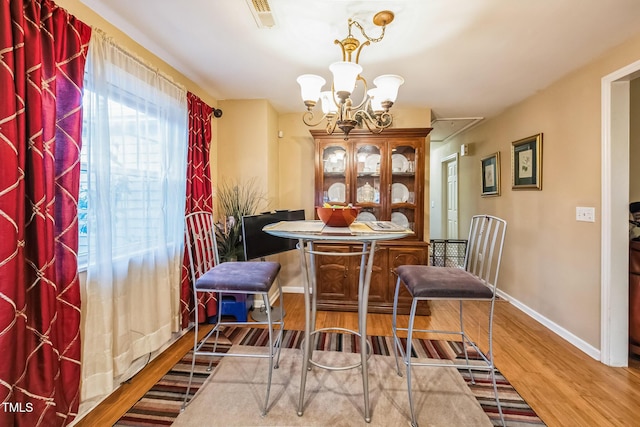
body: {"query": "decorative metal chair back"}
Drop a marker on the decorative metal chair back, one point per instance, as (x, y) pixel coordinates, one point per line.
(486, 236)
(202, 245)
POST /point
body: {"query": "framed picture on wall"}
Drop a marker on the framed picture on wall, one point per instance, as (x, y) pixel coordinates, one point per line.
(526, 163)
(491, 175)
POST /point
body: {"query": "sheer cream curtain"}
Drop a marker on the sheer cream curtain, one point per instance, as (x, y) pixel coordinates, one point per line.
(134, 149)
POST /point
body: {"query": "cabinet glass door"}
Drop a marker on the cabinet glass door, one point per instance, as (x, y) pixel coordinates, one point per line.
(403, 185)
(369, 163)
(334, 176)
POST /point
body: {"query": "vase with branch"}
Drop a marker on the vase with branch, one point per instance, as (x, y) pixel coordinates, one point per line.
(235, 199)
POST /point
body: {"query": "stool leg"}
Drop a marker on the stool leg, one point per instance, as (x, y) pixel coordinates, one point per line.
(495, 390)
(278, 343)
(314, 317)
(412, 315)
(307, 322)
(394, 327)
(193, 362)
(464, 343)
(217, 328)
(363, 300)
(265, 298)
(493, 370)
(314, 302)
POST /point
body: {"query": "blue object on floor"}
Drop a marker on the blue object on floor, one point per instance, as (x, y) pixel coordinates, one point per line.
(236, 305)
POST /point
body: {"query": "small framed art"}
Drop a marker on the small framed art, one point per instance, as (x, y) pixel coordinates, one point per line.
(491, 175)
(526, 163)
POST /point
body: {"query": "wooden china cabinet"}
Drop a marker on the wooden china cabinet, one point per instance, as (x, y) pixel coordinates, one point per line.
(384, 174)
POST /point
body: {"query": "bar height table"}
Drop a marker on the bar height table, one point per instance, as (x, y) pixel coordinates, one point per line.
(308, 232)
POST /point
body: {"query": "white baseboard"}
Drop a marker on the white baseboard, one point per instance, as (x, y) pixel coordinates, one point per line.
(259, 303)
(553, 327)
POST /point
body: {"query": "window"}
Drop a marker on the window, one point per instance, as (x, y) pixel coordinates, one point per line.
(136, 164)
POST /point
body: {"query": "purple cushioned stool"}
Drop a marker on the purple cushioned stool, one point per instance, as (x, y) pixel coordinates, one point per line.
(236, 279)
(476, 282)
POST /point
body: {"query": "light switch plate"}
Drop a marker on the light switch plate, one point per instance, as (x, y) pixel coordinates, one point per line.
(586, 214)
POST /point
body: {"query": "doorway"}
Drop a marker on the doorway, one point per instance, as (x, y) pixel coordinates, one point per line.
(614, 330)
(450, 196)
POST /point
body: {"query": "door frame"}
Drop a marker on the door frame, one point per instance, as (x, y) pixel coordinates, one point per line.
(614, 321)
(445, 192)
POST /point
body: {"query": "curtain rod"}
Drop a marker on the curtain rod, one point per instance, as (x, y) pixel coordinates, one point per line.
(138, 58)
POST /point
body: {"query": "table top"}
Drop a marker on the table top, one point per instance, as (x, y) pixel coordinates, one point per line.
(317, 230)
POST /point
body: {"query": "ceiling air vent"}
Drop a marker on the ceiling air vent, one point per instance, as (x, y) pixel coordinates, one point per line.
(261, 12)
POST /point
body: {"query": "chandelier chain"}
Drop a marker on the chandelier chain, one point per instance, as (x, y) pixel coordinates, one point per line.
(371, 39)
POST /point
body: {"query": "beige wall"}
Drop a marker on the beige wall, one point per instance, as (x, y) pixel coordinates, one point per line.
(296, 152)
(248, 146)
(552, 262)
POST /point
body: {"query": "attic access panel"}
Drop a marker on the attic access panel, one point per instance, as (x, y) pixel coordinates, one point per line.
(446, 128)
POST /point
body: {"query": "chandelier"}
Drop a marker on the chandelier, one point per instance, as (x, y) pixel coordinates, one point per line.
(338, 108)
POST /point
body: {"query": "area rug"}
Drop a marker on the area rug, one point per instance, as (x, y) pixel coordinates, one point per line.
(161, 405)
(234, 395)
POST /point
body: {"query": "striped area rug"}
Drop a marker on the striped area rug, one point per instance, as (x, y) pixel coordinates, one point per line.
(162, 403)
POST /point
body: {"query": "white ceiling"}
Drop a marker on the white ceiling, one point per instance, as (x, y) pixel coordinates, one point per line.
(462, 58)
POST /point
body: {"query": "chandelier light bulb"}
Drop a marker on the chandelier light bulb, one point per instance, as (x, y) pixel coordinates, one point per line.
(344, 77)
(328, 104)
(375, 99)
(310, 87)
(388, 85)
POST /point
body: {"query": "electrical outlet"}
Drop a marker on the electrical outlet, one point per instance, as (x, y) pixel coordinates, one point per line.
(585, 214)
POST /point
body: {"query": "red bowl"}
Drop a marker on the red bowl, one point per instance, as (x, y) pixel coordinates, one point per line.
(338, 217)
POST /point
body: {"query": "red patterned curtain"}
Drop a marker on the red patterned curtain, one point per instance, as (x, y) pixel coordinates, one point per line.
(199, 198)
(43, 51)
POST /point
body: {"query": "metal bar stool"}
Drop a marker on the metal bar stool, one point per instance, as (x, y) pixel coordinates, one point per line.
(208, 275)
(476, 282)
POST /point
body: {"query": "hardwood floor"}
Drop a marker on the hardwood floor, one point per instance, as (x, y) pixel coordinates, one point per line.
(562, 384)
